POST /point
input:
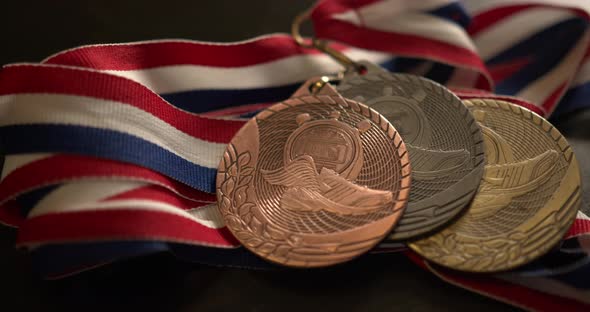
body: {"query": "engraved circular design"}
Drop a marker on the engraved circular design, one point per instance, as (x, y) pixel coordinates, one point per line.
(442, 138)
(332, 145)
(527, 200)
(313, 181)
(407, 118)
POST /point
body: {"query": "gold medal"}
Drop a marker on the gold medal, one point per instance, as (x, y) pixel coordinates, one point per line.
(528, 197)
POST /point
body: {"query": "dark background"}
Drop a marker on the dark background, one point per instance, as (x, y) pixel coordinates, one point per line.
(32, 30)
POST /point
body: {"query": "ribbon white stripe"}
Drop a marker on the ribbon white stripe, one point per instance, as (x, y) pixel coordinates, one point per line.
(583, 75)
(91, 195)
(178, 78)
(411, 23)
(476, 6)
(13, 162)
(582, 216)
(537, 91)
(143, 204)
(70, 196)
(92, 112)
(396, 7)
(209, 216)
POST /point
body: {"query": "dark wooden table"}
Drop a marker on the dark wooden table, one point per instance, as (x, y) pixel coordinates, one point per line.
(32, 30)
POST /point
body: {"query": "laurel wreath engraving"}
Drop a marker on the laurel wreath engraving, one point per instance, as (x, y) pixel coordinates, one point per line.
(474, 255)
(241, 215)
(489, 254)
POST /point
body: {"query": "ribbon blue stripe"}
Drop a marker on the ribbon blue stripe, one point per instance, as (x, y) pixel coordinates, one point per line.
(563, 35)
(236, 257)
(401, 64)
(200, 101)
(575, 99)
(29, 199)
(577, 278)
(554, 263)
(59, 259)
(440, 73)
(453, 12)
(568, 31)
(107, 144)
(250, 114)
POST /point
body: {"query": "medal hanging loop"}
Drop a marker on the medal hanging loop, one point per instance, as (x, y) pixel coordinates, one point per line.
(317, 86)
(322, 45)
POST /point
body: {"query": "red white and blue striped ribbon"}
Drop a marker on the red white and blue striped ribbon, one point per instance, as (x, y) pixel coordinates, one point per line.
(111, 150)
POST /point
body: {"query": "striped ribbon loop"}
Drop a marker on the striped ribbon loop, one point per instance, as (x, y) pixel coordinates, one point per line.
(429, 35)
(111, 150)
(496, 44)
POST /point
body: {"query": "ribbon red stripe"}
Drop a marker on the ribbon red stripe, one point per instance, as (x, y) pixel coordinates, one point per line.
(10, 214)
(327, 8)
(237, 110)
(500, 290)
(144, 55)
(488, 18)
(82, 82)
(120, 224)
(552, 100)
(502, 71)
(401, 44)
(66, 168)
(466, 93)
(509, 293)
(157, 193)
(580, 227)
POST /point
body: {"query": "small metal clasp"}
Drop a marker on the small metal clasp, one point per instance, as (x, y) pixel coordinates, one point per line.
(321, 45)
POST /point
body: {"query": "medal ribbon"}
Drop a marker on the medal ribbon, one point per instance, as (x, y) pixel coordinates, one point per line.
(111, 150)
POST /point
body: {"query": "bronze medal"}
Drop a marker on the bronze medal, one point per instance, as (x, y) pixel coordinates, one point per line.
(527, 199)
(442, 138)
(314, 180)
